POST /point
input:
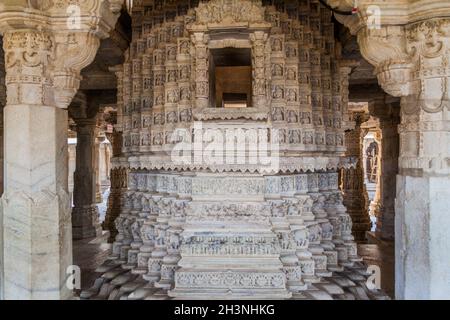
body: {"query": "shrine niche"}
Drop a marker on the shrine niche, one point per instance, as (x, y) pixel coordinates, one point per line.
(231, 78)
(201, 229)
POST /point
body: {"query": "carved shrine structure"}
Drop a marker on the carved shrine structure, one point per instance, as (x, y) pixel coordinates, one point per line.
(202, 227)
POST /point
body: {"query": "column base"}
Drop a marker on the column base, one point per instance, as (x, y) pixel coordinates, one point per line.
(85, 223)
(360, 233)
(385, 223)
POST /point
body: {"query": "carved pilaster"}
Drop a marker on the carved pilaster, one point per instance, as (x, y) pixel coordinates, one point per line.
(201, 70)
(345, 69)
(259, 39)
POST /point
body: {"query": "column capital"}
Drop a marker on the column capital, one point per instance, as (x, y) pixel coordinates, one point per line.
(408, 44)
(47, 45)
(358, 107)
(86, 125)
(199, 38)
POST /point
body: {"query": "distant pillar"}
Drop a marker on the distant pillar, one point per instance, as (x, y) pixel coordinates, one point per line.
(352, 182)
(85, 213)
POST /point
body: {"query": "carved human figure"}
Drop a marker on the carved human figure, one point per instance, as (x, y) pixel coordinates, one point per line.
(277, 114)
(291, 95)
(277, 45)
(277, 92)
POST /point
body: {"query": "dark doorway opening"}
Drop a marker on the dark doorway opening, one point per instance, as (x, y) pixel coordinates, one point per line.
(231, 78)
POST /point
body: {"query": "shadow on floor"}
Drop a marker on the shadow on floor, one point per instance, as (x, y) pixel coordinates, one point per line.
(89, 254)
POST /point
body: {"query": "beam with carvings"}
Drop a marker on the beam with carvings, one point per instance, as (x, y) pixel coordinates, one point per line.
(85, 110)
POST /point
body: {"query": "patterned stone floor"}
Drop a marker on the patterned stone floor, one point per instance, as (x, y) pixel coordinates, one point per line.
(347, 285)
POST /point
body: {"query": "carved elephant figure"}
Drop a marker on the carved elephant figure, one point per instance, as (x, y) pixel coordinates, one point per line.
(301, 237)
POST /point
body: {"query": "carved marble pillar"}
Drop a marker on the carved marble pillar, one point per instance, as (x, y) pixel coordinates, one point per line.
(85, 214)
(387, 111)
(118, 175)
(259, 39)
(200, 41)
(352, 181)
(37, 232)
(411, 62)
(43, 60)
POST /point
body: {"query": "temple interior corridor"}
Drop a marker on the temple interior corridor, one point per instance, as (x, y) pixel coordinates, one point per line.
(225, 149)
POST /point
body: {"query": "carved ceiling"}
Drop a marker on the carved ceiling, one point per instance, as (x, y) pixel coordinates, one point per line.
(111, 52)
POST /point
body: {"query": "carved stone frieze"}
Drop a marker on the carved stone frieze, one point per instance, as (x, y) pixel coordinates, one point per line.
(230, 11)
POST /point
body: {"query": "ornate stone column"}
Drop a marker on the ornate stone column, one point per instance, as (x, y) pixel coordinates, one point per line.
(258, 40)
(352, 180)
(37, 233)
(387, 111)
(118, 175)
(200, 41)
(43, 58)
(85, 222)
(410, 49)
(97, 165)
